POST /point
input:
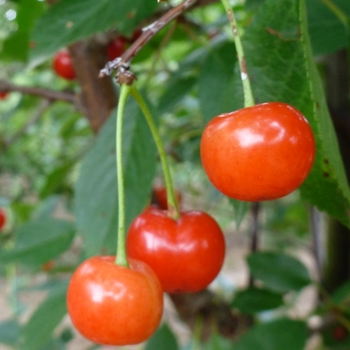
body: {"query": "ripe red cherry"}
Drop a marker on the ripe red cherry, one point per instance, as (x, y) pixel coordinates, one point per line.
(186, 254)
(258, 153)
(2, 218)
(161, 197)
(114, 305)
(115, 48)
(63, 65)
(3, 95)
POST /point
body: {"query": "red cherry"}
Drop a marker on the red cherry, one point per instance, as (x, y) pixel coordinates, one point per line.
(3, 95)
(161, 197)
(2, 218)
(258, 153)
(115, 305)
(339, 333)
(115, 48)
(186, 254)
(63, 65)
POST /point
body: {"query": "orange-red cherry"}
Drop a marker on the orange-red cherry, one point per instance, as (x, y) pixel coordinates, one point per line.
(112, 304)
(258, 153)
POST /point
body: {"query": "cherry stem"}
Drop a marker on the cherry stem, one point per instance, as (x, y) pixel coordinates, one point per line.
(247, 89)
(173, 209)
(121, 258)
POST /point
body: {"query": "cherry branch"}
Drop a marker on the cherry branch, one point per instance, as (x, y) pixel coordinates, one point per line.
(51, 95)
(122, 64)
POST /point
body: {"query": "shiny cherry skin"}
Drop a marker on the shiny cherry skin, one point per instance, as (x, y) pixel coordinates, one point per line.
(161, 197)
(2, 218)
(116, 48)
(186, 254)
(63, 65)
(3, 95)
(115, 305)
(258, 153)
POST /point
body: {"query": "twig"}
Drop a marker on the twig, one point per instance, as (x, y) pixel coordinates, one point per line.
(316, 228)
(51, 95)
(122, 64)
(255, 233)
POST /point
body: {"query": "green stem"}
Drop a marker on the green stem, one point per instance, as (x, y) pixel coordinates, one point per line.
(247, 90)
(121, 258)
(173, 209)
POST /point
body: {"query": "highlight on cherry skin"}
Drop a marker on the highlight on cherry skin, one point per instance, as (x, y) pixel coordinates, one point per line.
(186, 254)
(115, 305)
(258, 153)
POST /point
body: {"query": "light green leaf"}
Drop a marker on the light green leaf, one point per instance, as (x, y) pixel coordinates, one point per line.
(38, 330)
(39, 241)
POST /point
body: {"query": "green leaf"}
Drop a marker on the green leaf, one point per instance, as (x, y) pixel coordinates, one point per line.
(282, 68)
(282, 334)
(342, 294)
(218, 342)
(176, 90)
(96, 188)
(240, 209)
(216, 71)
(38, 330)
(280, 272)
(163, 339)
(328, 34)
(9, 332)
(68, 21)
(254, 300)
(39, 241)
(17, 45)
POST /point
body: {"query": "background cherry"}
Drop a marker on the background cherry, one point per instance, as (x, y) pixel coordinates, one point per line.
(161, 197)
(63, 65)
(3, 95)
(115, 48)
(2, 218)
(115, 305)
(258, 153)
(186, 254)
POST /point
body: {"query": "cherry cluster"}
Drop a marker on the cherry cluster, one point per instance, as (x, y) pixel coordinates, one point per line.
(63, 65)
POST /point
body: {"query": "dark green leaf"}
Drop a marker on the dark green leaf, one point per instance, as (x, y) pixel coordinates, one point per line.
(278, 271)
(342, 294)
(176, 90)
(68, 21)
(96, 188)
(216, 71)
(38, 330)
(328, 34)
(282, 334)
(163, 339)
(39, 241)
(9, 332)
(254, 300)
